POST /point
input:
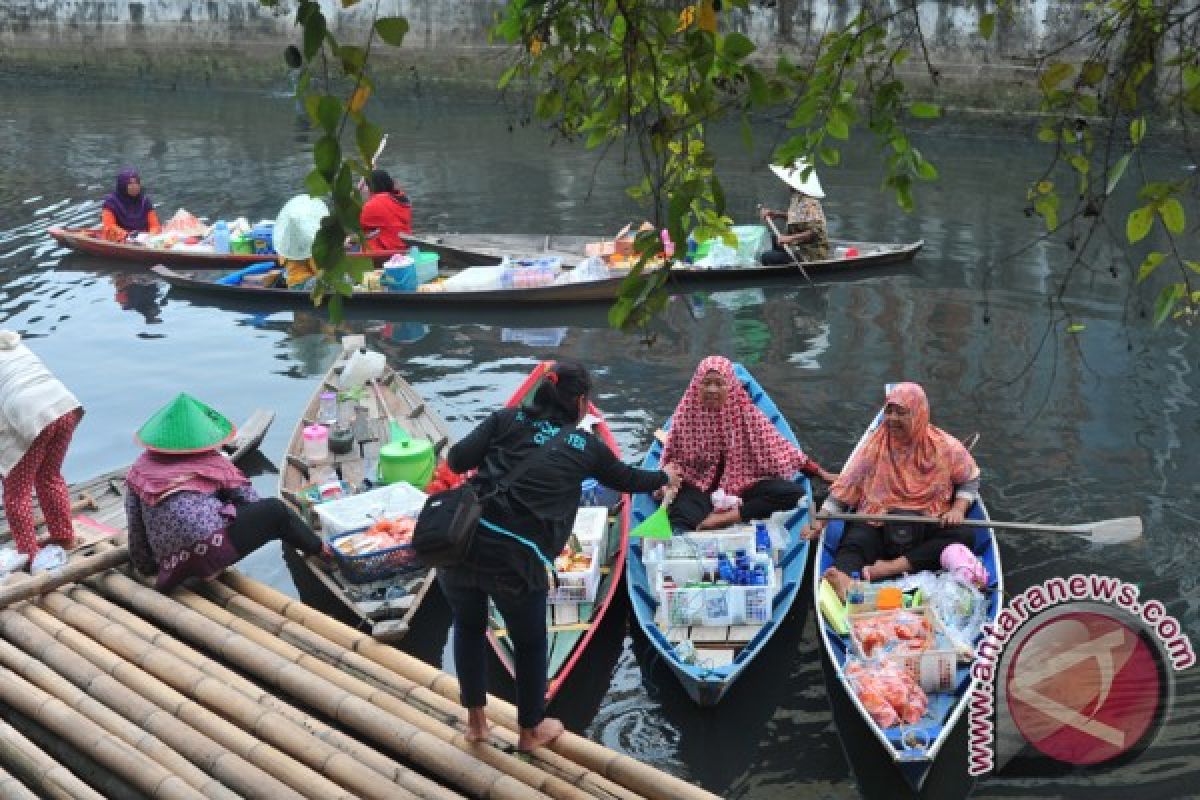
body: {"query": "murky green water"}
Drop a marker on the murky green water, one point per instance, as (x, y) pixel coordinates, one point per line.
(1072, 428)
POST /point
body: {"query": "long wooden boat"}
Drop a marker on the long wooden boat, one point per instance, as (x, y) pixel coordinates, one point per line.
(458, 250)
(912, 749)
(101, 500)
(722, 652)
(387, 619)
(90, 241)
(572, 623)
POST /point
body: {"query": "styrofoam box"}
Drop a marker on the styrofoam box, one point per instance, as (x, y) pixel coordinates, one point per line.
(577, 587)
(716, 605)
(700, 544)
(591, 523)
(362, 510)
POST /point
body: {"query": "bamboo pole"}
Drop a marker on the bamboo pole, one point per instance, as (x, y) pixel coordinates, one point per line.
(13, 789)
(49, 681)
(628, 772)
(364, 678)
(142, 772)
(285, 770)
(50, 778)
(74, 571)
(211, 757)
(405, 777)
(343, 775)
(423, 748)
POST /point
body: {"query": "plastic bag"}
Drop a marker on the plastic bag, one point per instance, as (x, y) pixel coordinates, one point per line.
(722, 501)
(11, 560)
(183, 223)
(48, 558)
(960, 608)
(720, 255)
(887, 691)
(591, 269)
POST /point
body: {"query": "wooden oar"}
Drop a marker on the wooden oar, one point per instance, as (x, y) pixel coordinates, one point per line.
(788, 249)
(1105, 531)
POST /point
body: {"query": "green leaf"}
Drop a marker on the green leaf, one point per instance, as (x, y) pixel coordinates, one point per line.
(1048, 135)
(329, 113)
(1114, 176)
(1170, 294)
(315, 184)
(1076, 327)
(1194, 266)
(327, 155)
(926, 171)
(837, 128)
(508, 75)
(1151, 262)
(1138, 224)
(899, 57)
(1047, 207)
(1080, 163)
(736, 46)
(1172, 215)
(392, 29)
(830, 155)
(1137, 129)
(987, 25)
(619, 28)
(925, 110)
(1054, 75)
(1091, 73)
(314, 35)
(747, 133)
(368, 136)
(718, 193)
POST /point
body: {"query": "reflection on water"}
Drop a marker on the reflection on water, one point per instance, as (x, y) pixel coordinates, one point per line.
(1072, 428)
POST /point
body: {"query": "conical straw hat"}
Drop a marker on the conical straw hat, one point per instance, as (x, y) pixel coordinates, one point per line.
(185, 425)
(794, 177)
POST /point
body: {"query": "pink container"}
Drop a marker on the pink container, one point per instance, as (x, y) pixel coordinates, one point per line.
(316, 443)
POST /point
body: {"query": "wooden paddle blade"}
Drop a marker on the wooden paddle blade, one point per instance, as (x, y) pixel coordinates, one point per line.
(655, 526)
(1113, 531)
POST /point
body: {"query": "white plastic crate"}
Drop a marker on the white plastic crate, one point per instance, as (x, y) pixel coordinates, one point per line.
(362, 510)
(577, 587)
(700, 544)
(591, 523)
(711, 605)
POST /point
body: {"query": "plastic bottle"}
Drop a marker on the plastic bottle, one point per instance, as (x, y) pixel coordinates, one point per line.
(856, 595)
(762, 539)
(221, 237)
(316, 443)
(328, 411)
(724, 568)
(690, 258)
(668, 245)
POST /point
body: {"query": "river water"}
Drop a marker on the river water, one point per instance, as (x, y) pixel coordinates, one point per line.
(1072, 427)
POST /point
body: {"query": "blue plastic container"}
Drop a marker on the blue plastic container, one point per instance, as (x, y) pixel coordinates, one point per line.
(400, 279)
(262, 239)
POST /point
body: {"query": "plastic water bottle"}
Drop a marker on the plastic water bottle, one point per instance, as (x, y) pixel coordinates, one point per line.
(856, 596)
(328, 410)
(724, 568)
(691, 250)
(762, 539)
(221, 237)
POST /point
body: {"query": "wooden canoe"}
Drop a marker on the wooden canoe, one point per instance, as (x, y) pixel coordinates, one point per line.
(571, 626)
(387, 620)
(723, 652)
(89, 241)
(101, 500)
(946, 710)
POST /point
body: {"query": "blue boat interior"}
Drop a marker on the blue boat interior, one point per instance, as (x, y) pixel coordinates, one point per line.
(706, 684)
(914, 743)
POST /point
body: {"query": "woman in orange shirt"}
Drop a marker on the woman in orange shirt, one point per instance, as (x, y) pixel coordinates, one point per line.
(128, 210)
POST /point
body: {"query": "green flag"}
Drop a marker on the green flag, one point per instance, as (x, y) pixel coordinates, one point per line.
(655, 526)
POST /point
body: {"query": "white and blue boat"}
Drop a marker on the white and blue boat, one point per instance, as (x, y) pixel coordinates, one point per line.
(913, 749)
(708, 659)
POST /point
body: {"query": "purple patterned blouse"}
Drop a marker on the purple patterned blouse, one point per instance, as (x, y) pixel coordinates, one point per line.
(184, 535)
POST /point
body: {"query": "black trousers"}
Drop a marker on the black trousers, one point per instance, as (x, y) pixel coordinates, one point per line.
(267, 520)
(692, 505)
(863, 544)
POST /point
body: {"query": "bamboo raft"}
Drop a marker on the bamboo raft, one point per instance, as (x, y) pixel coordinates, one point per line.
(232, 689)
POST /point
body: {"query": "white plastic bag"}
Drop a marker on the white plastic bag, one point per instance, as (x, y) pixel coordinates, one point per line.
(49, 558)
(720, 256)
(11, 560)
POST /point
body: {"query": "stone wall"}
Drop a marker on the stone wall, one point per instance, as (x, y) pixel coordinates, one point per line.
(184, 42)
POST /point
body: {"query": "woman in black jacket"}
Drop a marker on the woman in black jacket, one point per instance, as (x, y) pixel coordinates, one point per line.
(539, 508)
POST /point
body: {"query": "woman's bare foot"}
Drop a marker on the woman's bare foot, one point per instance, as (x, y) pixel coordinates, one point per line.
(720, 519)
(478, 729)
(882, 570)
(541, 735)
(839, 580)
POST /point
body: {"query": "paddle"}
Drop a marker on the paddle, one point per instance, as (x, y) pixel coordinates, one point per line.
(1105, 531)
(788, 249)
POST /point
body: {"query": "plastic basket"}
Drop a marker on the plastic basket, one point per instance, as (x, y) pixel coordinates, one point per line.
(712, 605)
(374, 566)
(577, 587)
(361, 510)
(701, 544)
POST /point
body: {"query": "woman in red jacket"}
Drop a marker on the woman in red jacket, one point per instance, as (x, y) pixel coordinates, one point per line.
(386, 215)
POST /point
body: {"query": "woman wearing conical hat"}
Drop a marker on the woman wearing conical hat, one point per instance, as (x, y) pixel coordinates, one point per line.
(191, 512)
(805, 232)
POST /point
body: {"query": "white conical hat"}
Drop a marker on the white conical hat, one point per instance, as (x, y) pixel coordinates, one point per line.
(297, 226)
(794, 177)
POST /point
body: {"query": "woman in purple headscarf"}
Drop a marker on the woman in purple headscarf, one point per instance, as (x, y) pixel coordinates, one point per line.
(128, 209)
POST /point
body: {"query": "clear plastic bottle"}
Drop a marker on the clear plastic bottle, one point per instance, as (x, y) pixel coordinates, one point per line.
(221, 237)
(327, 413)
(762, 539)
(856, 595)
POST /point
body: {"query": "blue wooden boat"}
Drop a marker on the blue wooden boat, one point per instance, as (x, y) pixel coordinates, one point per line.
(913, 750)
(721, 656)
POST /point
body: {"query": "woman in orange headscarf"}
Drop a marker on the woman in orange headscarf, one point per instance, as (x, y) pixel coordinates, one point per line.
(906, 466)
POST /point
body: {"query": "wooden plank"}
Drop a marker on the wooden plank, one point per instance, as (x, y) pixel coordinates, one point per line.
(743, 633)
(574, 627)
(710, 633)
(251, 434)
(566, 614)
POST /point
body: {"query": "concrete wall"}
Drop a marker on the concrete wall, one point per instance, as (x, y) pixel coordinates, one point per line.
(174, 42)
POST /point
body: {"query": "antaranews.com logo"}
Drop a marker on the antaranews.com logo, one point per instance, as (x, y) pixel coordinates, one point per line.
(1079, 669)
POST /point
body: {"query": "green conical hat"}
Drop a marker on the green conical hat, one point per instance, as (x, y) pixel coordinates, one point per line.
(185, 425)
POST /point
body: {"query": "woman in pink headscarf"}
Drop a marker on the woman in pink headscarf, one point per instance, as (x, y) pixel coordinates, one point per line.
(720, 440)
(906, 466)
